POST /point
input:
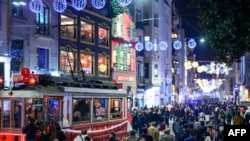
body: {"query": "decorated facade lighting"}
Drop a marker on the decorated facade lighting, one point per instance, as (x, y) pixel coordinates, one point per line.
(209, 85)
(124, 3)
(36, 6)
(79, 4)
(59, 5)
(210, 68)
(98, 4)
(177, 44)
(149, 46)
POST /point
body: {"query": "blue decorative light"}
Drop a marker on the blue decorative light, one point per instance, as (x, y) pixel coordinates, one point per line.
(79, 4)
(177, 44)
(191, 43)
(139, 46)
(98, 4)
(59, 5)
(36, 6)
(124, 3)
(149, 46)
(163, 45)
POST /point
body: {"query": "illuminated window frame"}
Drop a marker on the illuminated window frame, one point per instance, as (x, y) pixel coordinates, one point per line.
(69, 14)
(67, 49)
(104, 26)
(87, 51)
(107, 65)
(92, 23)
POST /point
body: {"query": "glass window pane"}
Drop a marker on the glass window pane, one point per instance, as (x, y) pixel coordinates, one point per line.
(100, 108)
(81, 109)
(87, 63)
(68, 27)
(6, 113)
(87, 32)
(53, 110)
(33, 109)
(103, 65)
(116, 107)
(103, 36)
(17, 113)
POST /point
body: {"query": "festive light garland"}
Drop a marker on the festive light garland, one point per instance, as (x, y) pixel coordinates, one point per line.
(191, 43)
(59, 5)
(98, 4)
(36, 6)
(177, 44)
(139, 46)
(124, 3)
(79, 4)
(163, 45)
(117, 8)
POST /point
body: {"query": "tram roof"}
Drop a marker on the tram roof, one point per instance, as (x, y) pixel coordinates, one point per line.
(51, 84)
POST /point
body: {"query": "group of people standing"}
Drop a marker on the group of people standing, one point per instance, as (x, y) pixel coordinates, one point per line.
(200, 121)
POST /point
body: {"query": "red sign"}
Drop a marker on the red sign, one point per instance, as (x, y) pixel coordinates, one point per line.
(25, 72)
(17, 78)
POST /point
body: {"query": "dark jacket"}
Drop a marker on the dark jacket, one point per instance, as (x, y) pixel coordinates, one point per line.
(30, 131)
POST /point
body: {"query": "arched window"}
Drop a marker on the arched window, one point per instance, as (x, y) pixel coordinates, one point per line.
(43, 21)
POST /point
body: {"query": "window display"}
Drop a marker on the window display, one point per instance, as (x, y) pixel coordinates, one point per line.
(87, 32)
(103, 36)
(67, 61)
(103, 65)
(68, 27)
(87, 63)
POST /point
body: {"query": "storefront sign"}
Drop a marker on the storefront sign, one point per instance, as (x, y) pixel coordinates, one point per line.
(125, 78)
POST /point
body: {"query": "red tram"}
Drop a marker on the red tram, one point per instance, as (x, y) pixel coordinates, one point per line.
(98, 106)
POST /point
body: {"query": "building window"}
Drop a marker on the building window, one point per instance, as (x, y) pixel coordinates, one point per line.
(67, 60)
(103, 36)
(146, 70)
(87, 63)
(87, 31)
(156, 20)
(17, 10)
(103, 65)
(124, 58)
(43, 58)
(42, 20)
(68, 27)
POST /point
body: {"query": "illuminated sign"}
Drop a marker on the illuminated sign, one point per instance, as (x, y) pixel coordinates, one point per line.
(125, 78)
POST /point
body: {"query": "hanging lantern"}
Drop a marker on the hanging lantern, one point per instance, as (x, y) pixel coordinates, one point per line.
(32, 81)
(163, 45)
(60, 5)
(139, 46)
(36, 6)
(98, 4)
(79, 4)
(191, 43)
(149, 46)
(177, 44)
(124, 3)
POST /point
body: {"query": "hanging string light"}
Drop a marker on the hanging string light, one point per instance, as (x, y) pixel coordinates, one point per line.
(79, 4)
(36, 6)
(163, 45)
(149, 46)
(124, 3)
(60, 5)
(98, 4)
(139, 46)
(177, 44)
(191, 43)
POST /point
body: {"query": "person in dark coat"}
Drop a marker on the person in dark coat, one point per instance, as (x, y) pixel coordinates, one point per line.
(30, 130)
(145, 134)
(112, 136)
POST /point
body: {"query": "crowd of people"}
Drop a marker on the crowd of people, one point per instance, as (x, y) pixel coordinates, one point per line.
(191, 121)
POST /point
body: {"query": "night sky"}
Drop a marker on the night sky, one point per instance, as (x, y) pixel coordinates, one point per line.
(189, 23)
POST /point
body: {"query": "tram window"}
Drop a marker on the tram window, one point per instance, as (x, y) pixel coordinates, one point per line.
(53, 107)
(81, 109)
(116, 108)
(33, 109)
(6, 113)
(100, 109)
(17, 113)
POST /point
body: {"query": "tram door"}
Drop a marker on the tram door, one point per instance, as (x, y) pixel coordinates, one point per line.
(54, 108)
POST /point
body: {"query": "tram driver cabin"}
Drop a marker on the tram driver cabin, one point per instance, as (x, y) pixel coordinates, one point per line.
(97, 106)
